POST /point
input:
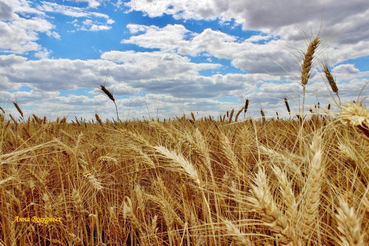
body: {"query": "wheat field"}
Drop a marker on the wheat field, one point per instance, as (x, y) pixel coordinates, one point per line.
(187, 181)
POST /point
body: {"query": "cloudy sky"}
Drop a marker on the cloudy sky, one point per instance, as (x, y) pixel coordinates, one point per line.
(166, 58)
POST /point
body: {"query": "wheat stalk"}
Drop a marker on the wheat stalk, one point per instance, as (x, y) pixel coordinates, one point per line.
(238, 113)
(230, 116)
(262, 115)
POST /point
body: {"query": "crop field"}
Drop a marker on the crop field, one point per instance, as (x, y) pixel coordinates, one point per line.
(188, 181)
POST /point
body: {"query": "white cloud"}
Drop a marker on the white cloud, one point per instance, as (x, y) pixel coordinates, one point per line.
(89, 24)
(190, 9)
(20, 35)
(43, 54)
(23, 7)
(69, 10)
(346, 68)
(166, 38)
(91, 3)
(274, 56)
(143, 68)
(347, 19)
(6, 12)
(250, 57)
(95, 27)
(27, 97)
(135, 28)
(269, 16)
(258, 38)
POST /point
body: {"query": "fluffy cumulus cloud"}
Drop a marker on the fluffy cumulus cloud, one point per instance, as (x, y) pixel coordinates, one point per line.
(20, 27)
(346, 68)
(22, 23)
(87, 20)
(77, 12)
(281, 52)
(246, 55)
(26, 97)
(191, 9)
(166, 38)
(127, 73)
(152, 72)
(20, 35)
(171, 77)
(6, 12)
(270, 16)
(283, 19)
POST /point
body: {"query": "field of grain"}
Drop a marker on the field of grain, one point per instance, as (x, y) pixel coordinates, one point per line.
(188, 181)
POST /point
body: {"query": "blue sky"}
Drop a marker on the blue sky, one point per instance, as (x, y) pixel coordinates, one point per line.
(166, 58)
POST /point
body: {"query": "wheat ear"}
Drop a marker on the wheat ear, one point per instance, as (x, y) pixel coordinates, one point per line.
(287, 106)
(312, 189)
(178, 159)
(193, 117)
(111, 97)
(349, 225)
(236, 233)
(262, 203)
(99, 120)
(246, 105)
(306, 66)
(355, 115)
(331, 80)
(15, 122)
(18, 108)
